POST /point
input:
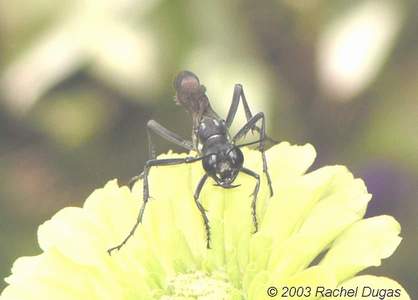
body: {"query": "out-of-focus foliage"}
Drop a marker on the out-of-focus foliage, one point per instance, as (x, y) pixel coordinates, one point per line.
(79, 80)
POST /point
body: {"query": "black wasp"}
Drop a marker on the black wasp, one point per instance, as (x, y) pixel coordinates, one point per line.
(221, 157)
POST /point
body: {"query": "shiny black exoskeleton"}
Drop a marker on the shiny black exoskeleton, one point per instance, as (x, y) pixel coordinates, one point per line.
(221, 157)
(222, 160)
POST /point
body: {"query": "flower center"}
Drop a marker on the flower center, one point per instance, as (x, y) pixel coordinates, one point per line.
(199, 286)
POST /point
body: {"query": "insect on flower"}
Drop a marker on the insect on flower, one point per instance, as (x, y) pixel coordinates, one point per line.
(221, 157)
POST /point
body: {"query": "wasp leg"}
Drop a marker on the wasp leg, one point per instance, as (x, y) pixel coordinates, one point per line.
(149, 164)
(250, 124)
(254, 194)
(202, 209)
(155, 127)
(237, 95)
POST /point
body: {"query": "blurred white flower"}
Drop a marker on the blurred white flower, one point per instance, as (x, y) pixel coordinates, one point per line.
(96, 33)
(353, 48)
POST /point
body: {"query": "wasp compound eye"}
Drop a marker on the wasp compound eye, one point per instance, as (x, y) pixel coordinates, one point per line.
(236, 157)
(209, 164)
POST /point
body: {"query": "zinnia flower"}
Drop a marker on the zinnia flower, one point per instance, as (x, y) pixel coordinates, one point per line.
(311, 236)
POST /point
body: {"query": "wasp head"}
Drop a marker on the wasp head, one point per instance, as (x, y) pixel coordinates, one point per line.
(224, 166)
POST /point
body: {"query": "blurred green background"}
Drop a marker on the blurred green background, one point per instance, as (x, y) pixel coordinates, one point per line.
(79, 79)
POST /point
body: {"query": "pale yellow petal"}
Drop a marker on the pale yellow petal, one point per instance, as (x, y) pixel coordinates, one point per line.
(310, 215)
(285, 160)
(363, 244)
